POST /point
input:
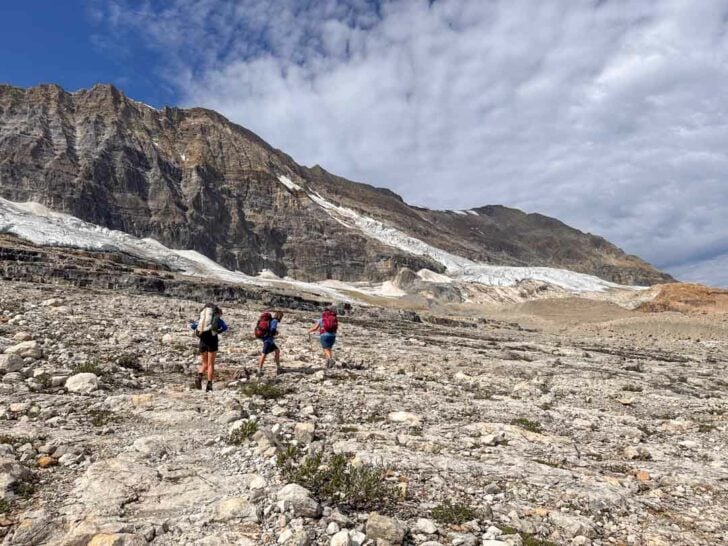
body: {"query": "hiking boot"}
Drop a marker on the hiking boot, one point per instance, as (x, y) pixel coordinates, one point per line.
(330, 363)
(198, 381)
(209, 387)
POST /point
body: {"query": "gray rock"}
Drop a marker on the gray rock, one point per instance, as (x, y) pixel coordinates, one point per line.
(26, 349)
(290, 537)
(572, 526)
(11, 363)
(300, 500)
(151, 446)
(304, 432)
(385, 528)
(236, 508)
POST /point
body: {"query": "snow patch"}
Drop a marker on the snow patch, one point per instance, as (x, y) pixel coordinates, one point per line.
(459, 268)
(290, 184)
(428, 275)
(42, 226)
(460, 212)
(472, 212)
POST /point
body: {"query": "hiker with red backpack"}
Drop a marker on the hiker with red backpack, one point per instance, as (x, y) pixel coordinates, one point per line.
(266, 330)
(327, 326)
(207, 329)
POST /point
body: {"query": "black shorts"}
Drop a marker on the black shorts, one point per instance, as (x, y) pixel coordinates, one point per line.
(208, 343)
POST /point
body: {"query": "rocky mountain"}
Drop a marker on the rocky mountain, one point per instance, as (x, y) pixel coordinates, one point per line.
(193, 180)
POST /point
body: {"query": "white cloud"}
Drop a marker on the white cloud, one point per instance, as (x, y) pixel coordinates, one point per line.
(609, 115)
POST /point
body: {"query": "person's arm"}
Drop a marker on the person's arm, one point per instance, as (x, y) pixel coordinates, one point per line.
(223, 326)
(193, 325)
(315, 327)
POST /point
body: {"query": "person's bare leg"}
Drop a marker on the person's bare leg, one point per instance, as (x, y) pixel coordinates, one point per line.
(261, 361)
(201, 370)
(211, 366)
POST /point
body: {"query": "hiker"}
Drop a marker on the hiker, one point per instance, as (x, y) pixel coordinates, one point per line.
(207, 329)
(327, 326)
(266, 330)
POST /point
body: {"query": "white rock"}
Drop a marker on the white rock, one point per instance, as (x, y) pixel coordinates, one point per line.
(426, 526)
(82, 383)
(26, 349)
(236, 508)
(341, 539)
(304, 432)
(357, 538)
(411, 419)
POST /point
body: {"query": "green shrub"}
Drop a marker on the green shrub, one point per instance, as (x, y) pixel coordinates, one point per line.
(632, 388)
(44, 381)
(335, 480)
(243, 433)
(129, 362)
(527, 424)
(453, 513)
(267, 391)
(101, 417)
(92, 366)
(527, 539)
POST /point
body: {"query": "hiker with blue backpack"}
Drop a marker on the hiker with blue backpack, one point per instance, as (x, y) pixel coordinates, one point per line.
(266, 330)
(327, 326)
(207, 329)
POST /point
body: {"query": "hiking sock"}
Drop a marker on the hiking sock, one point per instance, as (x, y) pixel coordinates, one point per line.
(209, 387)
(198, 381)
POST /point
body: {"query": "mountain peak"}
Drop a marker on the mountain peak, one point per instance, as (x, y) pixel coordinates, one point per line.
(192, 179)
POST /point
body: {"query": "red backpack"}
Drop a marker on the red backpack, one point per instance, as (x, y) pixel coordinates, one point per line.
(263, 326)
(329, 322)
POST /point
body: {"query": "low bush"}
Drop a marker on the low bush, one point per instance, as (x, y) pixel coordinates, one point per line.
(453, 513)
(243, 433)
(527, 424)
(335, 480)
(267, 391)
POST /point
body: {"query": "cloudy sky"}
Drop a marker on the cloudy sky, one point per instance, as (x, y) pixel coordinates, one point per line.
(608, 114)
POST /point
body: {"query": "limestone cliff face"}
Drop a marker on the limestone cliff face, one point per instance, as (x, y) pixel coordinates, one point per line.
(194, 180)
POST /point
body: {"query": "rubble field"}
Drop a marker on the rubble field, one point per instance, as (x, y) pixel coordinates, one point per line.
(562, 422)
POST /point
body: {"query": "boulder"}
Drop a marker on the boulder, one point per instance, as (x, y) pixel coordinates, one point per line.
(406, 417)
(10, 363)
(340, 539)
(385, 528)
(236, 508)
(151, 446)
(26, 349)
(426, 526)
(300, 499)
(304, 432)
(83, 383)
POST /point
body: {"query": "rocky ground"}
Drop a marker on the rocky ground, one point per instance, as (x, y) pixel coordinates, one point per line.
(528, 428)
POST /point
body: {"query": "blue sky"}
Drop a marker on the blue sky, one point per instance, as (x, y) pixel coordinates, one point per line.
(609, 115)
(59, 41)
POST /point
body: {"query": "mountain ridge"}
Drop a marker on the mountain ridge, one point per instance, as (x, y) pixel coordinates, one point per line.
(192, 179)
